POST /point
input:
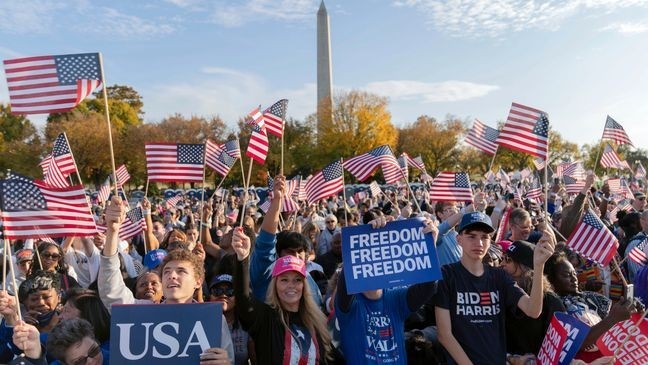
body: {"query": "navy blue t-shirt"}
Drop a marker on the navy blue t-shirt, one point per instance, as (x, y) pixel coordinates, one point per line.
(477, 306)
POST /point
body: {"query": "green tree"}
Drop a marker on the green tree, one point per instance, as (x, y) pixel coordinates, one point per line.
(20, 145)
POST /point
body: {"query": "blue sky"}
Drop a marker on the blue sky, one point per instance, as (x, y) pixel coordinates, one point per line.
(578, 60)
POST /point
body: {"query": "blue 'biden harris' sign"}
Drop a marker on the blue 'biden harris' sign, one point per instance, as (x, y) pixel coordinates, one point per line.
(396, 255)
(163, 333)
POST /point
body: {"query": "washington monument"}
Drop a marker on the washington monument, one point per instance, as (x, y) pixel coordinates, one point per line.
(324, 68)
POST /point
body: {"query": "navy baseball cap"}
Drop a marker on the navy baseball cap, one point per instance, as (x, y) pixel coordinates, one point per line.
(474, 220)
(154, 258)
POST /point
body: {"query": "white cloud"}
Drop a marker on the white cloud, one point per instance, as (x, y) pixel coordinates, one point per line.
(229, 93)
(493, 18)
(28, 16)
(233, 15)
(430, 92)
(115, 23)
(627, 28)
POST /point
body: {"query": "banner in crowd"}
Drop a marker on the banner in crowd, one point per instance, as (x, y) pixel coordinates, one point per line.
(396, 255)
(576, 333)
(173, 334)
(552, 344)
(632, 341)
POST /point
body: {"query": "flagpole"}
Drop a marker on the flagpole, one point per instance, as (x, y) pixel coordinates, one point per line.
(146, 188)
(4, 265)
(202, 204)
(282, 150)
(73, 160)
(546, 184)
(408, 186)
(219, 184)
(346, 218)
(245, 191)
(110, 141)
(490, 166)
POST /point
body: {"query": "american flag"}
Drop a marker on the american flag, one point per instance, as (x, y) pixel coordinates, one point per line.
(177, 162)
(258, 145)
(325, 183)
(535, 190)
(274, 117)
(104, 191)
(539, 163)
(133, 225)
(503, 227)
(639, 254)
(217, 158)
(483, 137)
(31, 209)
(122, 176)
(560, 168)
(287, 203)
(620, 187)
(232, 148)
(573, 186)
(592, 239)
(610, 159)
(640, 174)
(256, 118)
(402, 162)
(174, 200)
(451, 186)
(575, 170)
(526, 130)
(525, 173)
(301, 193)
(490, 176)
(58, 165)
(615, 132)
(51, 84)
(362, 166)
(375, 189)
(418, 163)
(504, 178)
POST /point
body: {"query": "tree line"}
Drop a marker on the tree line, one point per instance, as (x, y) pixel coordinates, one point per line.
(360, 121)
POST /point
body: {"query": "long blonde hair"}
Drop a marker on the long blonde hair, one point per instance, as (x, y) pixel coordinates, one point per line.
(310, 314)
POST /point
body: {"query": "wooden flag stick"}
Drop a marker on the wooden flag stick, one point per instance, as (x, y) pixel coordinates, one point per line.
(346, 218)
(4, 265)
(245, 191)
(110, 141)
(202, 204)
(490, 166)
(409, 189)
(219, 184)
(282, 150)
(146, 188)
(546, 185)
(13, 281)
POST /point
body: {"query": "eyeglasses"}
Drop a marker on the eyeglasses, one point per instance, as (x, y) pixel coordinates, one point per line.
(92, 353)
(330, 221)
(51, 256)
(217, 292)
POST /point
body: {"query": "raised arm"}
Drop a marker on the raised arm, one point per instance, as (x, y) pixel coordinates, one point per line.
(211, 248)
(150, 241)
(271, 219)
(532, 305)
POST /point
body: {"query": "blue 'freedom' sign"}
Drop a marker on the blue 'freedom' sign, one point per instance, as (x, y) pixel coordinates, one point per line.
(163, 333)
(398, 254)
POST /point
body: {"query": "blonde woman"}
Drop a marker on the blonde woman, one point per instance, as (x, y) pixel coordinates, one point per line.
(289, 328)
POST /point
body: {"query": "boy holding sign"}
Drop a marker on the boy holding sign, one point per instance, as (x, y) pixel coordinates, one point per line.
(182, 274)
(472, 298)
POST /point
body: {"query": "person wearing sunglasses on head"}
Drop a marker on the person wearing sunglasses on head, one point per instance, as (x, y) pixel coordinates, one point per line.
(221, 290)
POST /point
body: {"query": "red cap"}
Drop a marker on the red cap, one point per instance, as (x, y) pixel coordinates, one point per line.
(289, 263)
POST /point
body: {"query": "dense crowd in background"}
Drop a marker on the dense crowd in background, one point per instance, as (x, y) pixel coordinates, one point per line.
(280, 280)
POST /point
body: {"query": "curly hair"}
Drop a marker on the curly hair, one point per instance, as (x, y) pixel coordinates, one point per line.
(185, 255)
(39, 280)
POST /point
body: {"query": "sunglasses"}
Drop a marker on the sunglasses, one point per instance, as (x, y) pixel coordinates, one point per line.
(92, 353)
(51, 256)
(217, 292)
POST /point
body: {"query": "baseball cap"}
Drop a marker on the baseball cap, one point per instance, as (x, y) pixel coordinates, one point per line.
(474, 220)
(289, 263)
(154, 258)
(24, 255)
(223, 278)
(639, 195)
(522, 253)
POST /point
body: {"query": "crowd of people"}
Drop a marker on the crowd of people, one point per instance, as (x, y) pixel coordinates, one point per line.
(279, 278)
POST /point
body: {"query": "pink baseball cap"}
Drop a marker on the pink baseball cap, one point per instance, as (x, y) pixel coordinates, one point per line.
(289, 263)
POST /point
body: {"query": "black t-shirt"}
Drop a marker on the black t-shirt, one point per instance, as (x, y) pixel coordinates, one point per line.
(478, 306)
(524, 334)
